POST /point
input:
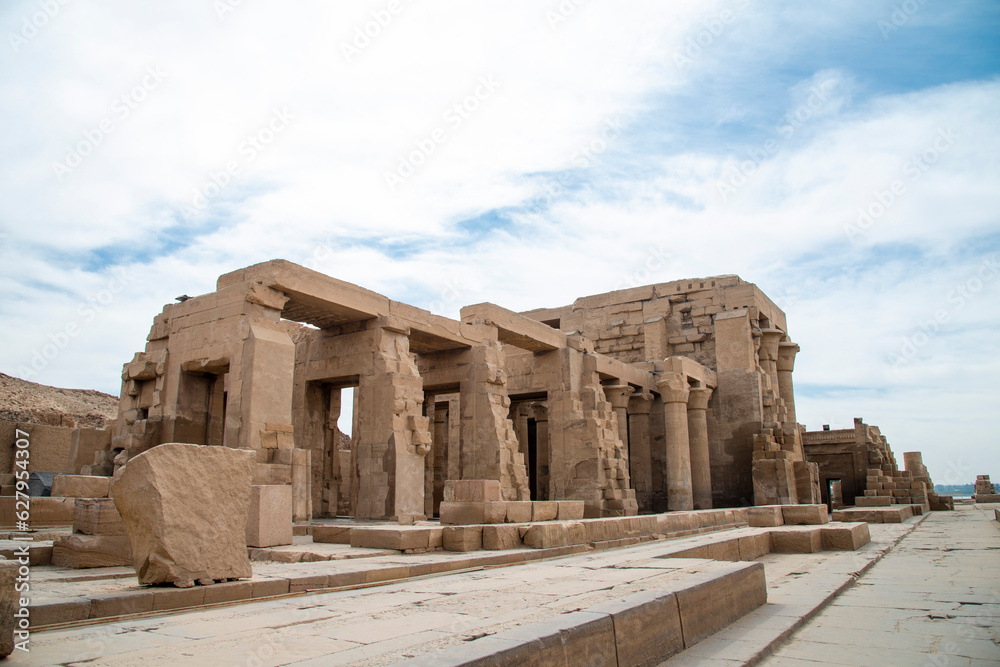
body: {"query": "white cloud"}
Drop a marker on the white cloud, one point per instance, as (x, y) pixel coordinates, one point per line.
(317, 192)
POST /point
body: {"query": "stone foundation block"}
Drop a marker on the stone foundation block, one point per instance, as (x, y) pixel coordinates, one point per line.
(400, 538)
(269, 522)
(570, 510)
(726, 592)
(83, 551)
(80, 486)
(472, 490)
(845, 536)
(332, 534)
(544, 510)
(753, 547)
(462, 538)
(767, 516)
(804, 515)
(519, 511)
(795, 540)
(500, 537)
(647, 627)
(872, 501)
(546, 536)
(97, 516)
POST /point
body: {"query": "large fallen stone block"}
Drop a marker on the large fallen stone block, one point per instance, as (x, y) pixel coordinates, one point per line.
(269, 523)
(80, 486)
(82, 551)
(185, 510)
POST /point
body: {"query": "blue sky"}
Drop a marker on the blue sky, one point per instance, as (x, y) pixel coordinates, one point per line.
(841, 155)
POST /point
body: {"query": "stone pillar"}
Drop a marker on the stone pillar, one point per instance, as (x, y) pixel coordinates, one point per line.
(490, 449)
(786, 363)
(392, 436)
(701, 465)
(640, 453)
(769, 356)
(674, 392)
(618, 396)
(266, 384)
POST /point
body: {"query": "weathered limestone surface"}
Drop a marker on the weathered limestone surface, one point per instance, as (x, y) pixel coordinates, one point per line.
(80, 486)
(85, 551)
(269, 521)
(8, 605)
(185, 511)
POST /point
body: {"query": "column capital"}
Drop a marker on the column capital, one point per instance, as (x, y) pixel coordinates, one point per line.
(640, 404)
(786, 356)
(769, 341)
(671, 390)
(698, 399)
(618, 395)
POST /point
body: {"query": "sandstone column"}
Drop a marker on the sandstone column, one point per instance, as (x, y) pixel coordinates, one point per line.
(701, 468)
(640, 453)
(786, 363)
(674, 392)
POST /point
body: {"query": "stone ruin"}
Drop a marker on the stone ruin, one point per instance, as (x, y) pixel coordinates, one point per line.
(669, 397)
(674, 396)
(984, 491)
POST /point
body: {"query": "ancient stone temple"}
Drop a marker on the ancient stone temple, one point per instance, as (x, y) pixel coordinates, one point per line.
(673, 396)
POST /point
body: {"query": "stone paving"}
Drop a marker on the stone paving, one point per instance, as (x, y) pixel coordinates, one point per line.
(934, 600)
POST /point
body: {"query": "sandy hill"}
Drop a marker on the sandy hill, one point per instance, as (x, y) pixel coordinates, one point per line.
(24, 401)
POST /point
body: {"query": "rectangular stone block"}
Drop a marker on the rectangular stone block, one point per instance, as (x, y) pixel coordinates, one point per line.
(570, 510)
(753, 547)
(647, 627)
(546, 535)
(795, 540)
(332, 534)
(84, 551)
(462, 513)
(544, 510)
(80, 486)
(804, 515)
(722, 595)
(269, 522)
(97, 516)
(500, 537)
(845, 536)
(767, 516)
(519, 511)
(873, 501)
(472, 490)
(462, 538)
(400, 538)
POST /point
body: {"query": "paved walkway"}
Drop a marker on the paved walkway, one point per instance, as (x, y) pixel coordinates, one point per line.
(932, 601)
